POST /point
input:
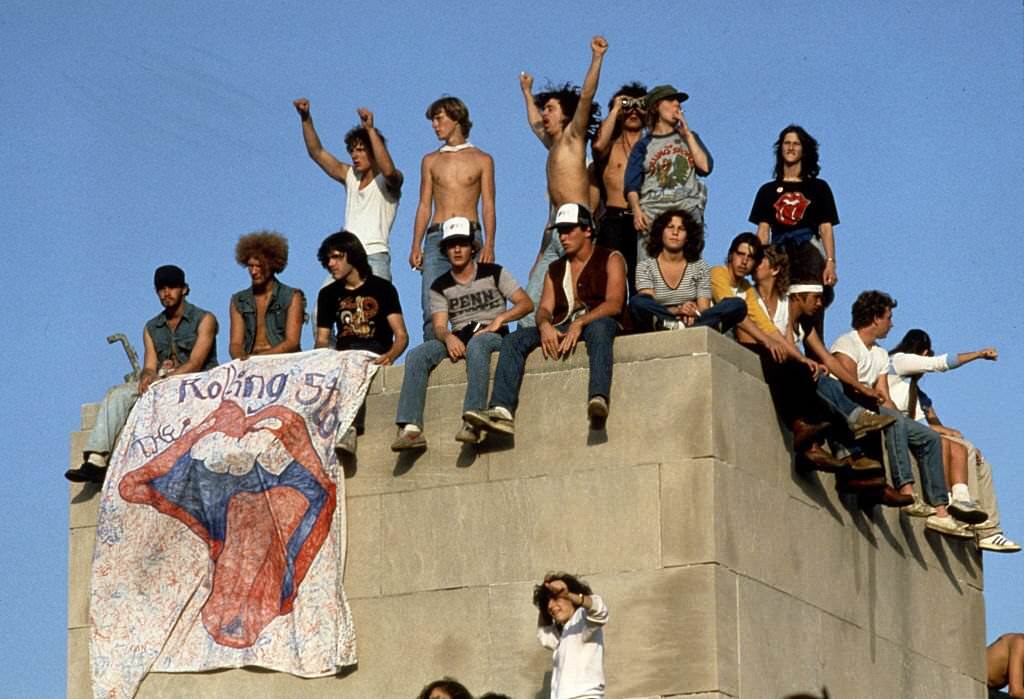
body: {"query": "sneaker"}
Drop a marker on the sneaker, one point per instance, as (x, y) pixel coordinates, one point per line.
(947, 526)
(919, 509)
(597, 407)
(88, 472)
(967, 511)
(469, 434)
(662, 324)
(868, 422)
(998, 543)
(496, 419)
(348, 441)
(409, 439)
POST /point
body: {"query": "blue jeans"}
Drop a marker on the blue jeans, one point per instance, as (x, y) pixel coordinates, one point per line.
(113, 413)
(508, 377)
(723, 316)
(422, 360)
(831, 391)
(434, 265)
(905, 436)
(380, 264)
(535, 286)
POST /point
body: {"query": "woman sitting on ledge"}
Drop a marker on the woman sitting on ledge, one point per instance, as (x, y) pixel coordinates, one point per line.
(674, 283)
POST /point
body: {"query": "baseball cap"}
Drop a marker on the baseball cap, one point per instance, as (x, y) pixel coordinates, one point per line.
(169, 275)
(664, 92)
(570, 215)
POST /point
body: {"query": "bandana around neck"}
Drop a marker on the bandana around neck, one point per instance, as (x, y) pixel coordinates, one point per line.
(455, 149)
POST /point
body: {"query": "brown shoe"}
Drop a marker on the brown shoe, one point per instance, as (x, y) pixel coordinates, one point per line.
(816, 458)
(804, 432)
(870, 422)
(863, 466)
(888, 496)
(855, 485)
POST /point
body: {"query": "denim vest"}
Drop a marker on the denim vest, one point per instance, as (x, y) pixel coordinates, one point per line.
(177, 344)
(276, 318)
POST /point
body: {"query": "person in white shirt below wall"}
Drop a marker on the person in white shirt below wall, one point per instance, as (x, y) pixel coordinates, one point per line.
(571, 624)
(911, 359)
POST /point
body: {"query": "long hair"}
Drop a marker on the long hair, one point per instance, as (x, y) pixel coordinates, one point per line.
(634, 89)
(809, 167)
(568, 96)
(694, 244)
(349, 245)
(778, 259)
(750, 239)
(916, 341)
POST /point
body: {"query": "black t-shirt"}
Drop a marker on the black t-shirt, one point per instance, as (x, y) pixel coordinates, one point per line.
(788, 206)
(360, 316)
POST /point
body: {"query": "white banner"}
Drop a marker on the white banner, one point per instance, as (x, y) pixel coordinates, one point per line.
(221, 533)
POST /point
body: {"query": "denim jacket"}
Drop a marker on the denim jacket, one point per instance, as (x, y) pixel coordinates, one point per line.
(177, 344)
(276, 318)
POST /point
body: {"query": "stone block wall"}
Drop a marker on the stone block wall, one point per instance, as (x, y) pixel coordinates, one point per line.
(727, 573)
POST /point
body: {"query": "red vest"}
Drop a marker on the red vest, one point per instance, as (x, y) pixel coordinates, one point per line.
(591, 285)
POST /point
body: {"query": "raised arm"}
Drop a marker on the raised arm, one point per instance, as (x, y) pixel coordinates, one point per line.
(602, 143)
(533, 117)
(320, 155)
(701, 160)
(578, 125)
(487, 208)
(381, 156)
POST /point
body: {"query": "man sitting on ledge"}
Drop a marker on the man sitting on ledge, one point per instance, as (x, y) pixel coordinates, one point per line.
(266, 318)
(584, 294)
(180, 340)
(473, 296)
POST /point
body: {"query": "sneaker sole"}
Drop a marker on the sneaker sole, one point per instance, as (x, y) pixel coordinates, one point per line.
(954, 533)
(999, 549)
(968, 516)
(412, 446)
(482, 422)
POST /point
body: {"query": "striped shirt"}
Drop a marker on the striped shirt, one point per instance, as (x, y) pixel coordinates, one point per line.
(695, 284)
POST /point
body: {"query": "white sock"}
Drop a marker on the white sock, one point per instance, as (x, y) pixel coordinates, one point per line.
(503, 411)
(96, 459)
(410, 428)
(960, 492)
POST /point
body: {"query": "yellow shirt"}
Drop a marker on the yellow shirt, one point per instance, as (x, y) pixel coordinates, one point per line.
(722, 288)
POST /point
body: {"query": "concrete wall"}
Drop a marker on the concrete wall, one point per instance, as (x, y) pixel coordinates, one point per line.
(727, 573)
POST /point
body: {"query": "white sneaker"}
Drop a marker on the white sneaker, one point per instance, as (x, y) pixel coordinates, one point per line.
(948, 526)
(998, 544)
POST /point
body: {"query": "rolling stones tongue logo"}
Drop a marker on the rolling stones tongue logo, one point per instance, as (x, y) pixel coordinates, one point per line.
(263, 516)
(790, 208)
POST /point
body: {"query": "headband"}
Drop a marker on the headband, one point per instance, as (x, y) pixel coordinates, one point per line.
(805, 288)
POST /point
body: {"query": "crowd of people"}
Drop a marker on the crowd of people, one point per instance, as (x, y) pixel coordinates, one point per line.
(622, 253)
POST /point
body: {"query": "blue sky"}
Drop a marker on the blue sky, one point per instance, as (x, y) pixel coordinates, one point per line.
(135, 134)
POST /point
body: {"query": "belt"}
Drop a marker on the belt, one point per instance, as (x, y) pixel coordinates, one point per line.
(436, 227)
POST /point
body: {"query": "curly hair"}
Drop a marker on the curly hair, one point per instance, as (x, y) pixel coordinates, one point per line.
(869, 306)
(270, 246)
(778, 259)
(456, 110)
(694, 243)
(542, 595)
(358, 136)
(568, 96)
(809, 166)
(448, 685)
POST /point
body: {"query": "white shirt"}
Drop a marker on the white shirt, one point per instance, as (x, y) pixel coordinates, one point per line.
(781, 317)
(871, 363)
(578, 657)
(905, 367)
(370, 211)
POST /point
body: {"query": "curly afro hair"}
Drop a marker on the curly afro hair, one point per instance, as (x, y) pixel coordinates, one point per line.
(266, 245)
